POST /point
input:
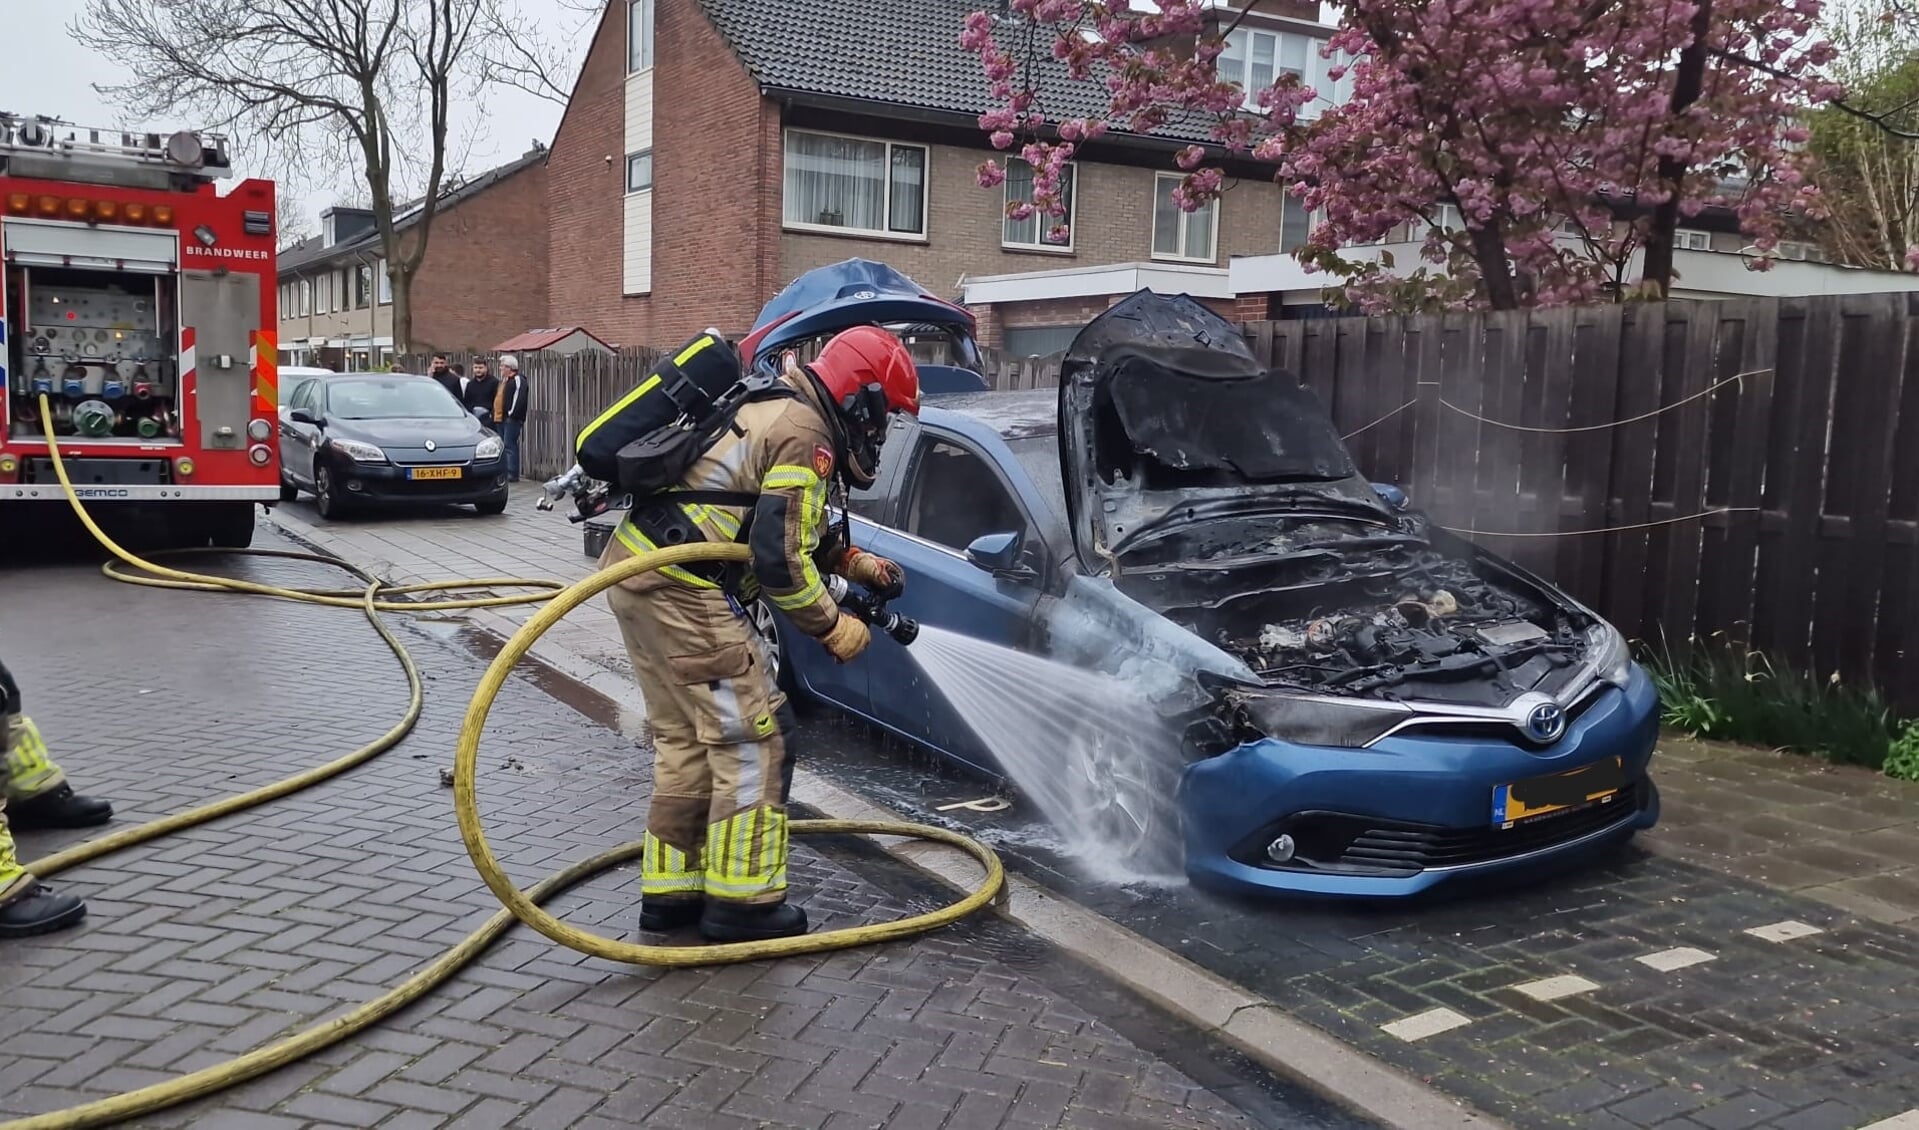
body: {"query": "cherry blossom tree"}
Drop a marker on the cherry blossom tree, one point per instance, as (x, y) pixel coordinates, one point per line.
(1571, 137)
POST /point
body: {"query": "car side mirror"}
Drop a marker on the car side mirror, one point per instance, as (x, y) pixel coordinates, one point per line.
(998, 554)
(302, 416)
(1394, 496)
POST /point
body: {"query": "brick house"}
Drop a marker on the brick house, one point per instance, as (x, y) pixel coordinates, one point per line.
(734, 144)
(485, 270)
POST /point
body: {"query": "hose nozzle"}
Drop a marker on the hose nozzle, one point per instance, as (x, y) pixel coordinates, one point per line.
(904, 629)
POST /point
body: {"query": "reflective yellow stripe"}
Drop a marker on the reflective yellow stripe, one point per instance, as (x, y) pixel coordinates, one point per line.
(30, 769)
(619, 406)
(687, 354)
(731, 846)
(785, 475)
(638, 543)
(664, 869)
(800, 599)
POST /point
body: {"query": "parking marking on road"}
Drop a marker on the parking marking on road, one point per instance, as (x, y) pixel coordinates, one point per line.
(1423, 1024)
(1677, 958)
(1785, 931)
(1906, 1121)
(1554, 988)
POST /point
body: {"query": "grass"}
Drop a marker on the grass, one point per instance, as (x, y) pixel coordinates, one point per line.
(1713, 689)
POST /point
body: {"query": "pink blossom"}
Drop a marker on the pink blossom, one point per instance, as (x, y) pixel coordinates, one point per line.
(1569, 105)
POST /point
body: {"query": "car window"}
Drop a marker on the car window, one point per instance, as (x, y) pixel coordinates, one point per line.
(865, 501)
(957, 498)
(303, 395)
(391, 399)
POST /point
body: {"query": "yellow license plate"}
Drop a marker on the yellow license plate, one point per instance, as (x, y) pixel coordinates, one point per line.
(434, 472)
(1525, 801)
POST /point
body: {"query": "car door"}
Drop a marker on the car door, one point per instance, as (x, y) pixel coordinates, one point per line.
(296, 439)
(956, 489)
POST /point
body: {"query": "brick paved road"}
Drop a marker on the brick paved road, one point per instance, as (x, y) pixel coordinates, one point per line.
(1822, 1031)
(221, 938)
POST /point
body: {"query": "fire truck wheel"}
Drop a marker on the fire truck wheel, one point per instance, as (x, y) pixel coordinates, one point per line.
(230, 525)
(325, 498)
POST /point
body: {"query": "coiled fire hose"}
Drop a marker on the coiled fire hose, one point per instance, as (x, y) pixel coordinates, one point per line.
(521, 905)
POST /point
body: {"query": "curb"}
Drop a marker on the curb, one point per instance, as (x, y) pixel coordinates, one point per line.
(1222, 1009)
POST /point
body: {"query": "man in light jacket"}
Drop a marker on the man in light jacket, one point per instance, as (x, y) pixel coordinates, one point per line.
(509, 412)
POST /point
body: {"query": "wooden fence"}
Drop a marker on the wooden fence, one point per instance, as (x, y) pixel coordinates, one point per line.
(1689, 469)
(1748, 468)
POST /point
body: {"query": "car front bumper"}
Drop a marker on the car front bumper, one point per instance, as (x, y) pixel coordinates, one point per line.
(1414, 811)
(387, 484)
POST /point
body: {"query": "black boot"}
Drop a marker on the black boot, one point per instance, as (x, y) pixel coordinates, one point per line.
(38, 910)
(59, 807)
(751, 922)
(663, 915)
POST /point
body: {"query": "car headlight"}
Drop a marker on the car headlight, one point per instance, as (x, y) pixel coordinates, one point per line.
(357, 451)
(489, 447)
(1345, 723)
(1611, 658)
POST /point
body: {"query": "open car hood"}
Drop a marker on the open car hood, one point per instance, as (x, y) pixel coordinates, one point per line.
(860, 292)
(1166, 418)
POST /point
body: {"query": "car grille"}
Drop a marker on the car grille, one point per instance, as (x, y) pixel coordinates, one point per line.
(1395, 846)
(1337, 841)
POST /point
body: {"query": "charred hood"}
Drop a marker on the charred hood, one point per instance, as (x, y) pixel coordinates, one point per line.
(1164, 413)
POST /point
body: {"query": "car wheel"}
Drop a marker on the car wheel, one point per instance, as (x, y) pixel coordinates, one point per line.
(773, 643)
(325, 498)
(492, 505)
(1123, 799)
(288, 492)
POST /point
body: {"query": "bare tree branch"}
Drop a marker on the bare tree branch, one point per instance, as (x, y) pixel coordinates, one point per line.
(318, 87)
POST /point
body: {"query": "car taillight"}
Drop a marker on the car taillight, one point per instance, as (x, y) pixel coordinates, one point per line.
(261, 454)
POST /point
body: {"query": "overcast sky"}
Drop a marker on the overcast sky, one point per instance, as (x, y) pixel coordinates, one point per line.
(48, 73)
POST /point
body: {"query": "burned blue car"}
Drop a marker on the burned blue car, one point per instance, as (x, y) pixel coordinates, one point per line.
(1361, 704)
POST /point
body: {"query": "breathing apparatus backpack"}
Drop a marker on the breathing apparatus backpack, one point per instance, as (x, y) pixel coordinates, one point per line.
(648, 440)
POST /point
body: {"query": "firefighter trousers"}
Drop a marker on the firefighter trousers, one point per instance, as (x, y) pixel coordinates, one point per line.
(29, 772)
(723, 741)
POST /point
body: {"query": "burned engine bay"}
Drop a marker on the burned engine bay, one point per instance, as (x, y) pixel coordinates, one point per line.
(1404, 620)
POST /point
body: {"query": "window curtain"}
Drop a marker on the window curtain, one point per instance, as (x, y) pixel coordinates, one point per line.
(837, 181)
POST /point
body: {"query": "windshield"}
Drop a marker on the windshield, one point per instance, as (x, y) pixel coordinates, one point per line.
(392, 398)
(1039, 455)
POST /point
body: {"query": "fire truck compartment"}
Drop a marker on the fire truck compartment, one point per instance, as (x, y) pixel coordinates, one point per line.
(101, 345)
(38, 469)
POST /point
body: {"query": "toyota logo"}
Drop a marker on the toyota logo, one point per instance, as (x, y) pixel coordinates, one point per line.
(431, 446)
(1545, 723)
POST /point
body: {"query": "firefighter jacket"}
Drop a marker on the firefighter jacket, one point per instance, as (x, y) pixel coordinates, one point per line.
(781, 450)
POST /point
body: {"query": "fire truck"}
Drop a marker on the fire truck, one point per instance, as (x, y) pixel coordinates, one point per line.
(139, 301)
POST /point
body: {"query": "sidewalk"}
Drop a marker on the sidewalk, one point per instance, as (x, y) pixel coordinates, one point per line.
(1749, 971)
(221, 938)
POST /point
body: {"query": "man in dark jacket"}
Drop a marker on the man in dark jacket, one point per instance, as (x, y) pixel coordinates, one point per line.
(448, 379)
(510, 412)
(481, 390)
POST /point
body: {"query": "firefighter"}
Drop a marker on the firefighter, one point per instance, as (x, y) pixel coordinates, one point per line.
(41, 798)
(724, 735)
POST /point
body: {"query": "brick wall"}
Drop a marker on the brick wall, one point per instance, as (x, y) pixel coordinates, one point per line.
(485, 277)
(1114, 224)
(1251, 308)
(585, 188)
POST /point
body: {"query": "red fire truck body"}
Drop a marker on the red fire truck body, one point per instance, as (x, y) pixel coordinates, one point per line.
(141, 303)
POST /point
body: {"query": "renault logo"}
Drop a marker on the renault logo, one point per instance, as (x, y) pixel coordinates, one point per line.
(1545, 723)
(431, 446)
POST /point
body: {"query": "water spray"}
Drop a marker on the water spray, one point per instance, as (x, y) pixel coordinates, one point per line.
(872, 609)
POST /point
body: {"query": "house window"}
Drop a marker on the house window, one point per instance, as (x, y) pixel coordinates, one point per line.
(1791, 249)
(323, 294)
(1255, 59)
(853, 184)
(1295, 223)
(1688, 240)
(639, 171)
(302, 298)
(386, 284)
(1032, 232)
(639, 35)
(362, 286)
(1182, 235)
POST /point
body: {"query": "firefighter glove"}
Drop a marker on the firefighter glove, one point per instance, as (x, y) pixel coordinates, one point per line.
(848, 636)
(881, 577)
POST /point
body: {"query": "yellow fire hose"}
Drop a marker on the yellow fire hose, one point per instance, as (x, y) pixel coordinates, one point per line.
(520, 905)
